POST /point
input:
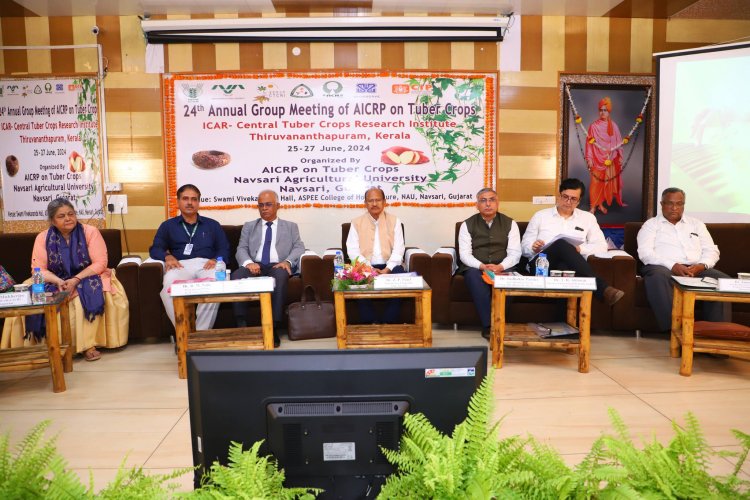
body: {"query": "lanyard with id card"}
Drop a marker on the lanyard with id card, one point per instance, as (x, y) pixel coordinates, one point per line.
(189, 246)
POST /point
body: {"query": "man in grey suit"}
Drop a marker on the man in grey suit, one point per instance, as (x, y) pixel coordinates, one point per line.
(272, 247)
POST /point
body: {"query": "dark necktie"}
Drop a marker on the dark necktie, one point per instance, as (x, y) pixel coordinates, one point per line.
(265, 257)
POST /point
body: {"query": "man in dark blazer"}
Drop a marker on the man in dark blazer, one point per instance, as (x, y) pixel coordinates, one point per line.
(272, 247)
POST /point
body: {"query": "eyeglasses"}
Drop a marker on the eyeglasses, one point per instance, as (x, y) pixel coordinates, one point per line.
(374, 201)
(571, 199)
(673, 203)
(487, 201)
(266, 205)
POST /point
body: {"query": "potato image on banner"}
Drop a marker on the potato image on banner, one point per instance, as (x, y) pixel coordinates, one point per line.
(11, 165)
(211, 159)
(76, 163)
(400, 155)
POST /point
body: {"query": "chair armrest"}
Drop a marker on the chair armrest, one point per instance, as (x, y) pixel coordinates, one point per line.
(135, 259)
(127, 274)
(441, 276)
(421, 263)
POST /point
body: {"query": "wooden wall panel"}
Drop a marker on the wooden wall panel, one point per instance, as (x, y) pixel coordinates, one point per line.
(204, 58)
(300, 62)
(392, 55)
(132, 99)
(528, 97)
(251, 56)
(575, 44)
(110, 38)
(619, 46)
(531, 43)
(345, 55)
(524, 189)
(14, 34)
(485, 56)
(439, 55)
(369, 56)
(514, 144)
(37, 34)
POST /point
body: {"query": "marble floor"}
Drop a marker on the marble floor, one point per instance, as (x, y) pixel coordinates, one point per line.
(131, 406)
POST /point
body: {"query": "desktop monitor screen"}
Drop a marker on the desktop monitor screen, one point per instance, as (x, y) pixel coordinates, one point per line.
(325, 414)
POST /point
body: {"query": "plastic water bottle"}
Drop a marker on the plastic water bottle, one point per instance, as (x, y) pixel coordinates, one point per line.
(220, 271)
(338, 263)
(37, 288)
(542, 265)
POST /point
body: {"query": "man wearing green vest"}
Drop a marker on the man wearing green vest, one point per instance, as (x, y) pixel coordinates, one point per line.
(487, 241)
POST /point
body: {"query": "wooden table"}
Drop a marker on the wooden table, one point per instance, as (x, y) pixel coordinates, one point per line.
(59, 356)
(683, 321)
(418, 334)
(251, 337)
(521, 335)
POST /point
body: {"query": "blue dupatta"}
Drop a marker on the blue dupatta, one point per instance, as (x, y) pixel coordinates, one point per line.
(65, 260)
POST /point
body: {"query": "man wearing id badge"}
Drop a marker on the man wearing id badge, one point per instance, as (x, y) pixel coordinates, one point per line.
(189, 245)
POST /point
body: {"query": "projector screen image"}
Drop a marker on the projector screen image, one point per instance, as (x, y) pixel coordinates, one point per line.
(703, 130)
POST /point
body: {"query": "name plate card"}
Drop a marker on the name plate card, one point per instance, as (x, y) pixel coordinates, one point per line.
(542, 283)
(14, 299)
(508, 281)
(731, 285)
(398, 282)
(247, 285)
(573, 283)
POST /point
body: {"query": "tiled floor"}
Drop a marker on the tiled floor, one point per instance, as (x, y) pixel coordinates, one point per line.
(131, 403)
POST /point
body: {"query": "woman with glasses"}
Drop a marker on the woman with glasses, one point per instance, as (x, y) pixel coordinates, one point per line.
(73, 257)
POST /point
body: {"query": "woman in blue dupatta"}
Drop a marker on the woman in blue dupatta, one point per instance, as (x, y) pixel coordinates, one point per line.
(73, 257)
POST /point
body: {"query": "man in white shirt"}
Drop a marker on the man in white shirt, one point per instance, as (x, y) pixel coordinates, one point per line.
(377, 237)
(565, 220)
(487, 241)
(674, 244)
(268, 246)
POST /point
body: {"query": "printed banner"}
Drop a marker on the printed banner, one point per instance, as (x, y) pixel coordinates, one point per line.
(320, 139)
(49, 136)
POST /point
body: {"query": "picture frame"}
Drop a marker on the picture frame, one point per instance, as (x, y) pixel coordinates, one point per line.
(619, 185)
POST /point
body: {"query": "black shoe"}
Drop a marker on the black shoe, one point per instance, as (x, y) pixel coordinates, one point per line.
(276, 340)
(486, 333)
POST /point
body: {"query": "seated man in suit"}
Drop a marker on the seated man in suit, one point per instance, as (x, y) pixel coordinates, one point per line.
(189, 245)
(487, 241)
(268, 246)
(564, 219)
(377, 237)
(673, 244)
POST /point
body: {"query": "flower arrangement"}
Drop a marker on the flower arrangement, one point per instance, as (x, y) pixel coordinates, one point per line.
(358, 273)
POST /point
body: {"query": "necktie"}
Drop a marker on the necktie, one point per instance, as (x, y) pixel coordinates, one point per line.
(265, 257)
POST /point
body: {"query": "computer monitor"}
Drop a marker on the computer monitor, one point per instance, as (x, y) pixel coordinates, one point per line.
(324, 414)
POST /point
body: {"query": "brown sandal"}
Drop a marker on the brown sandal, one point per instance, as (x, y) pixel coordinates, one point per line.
(92, 354)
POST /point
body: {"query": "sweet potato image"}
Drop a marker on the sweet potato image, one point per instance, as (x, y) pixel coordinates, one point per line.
(423, 158)
(11, 165)
(76, 163)
(400, 155)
